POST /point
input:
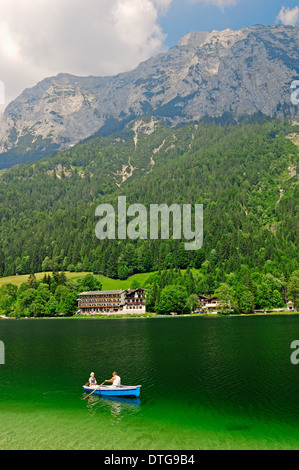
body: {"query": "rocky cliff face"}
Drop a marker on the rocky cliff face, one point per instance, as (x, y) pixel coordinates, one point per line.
(205, 74)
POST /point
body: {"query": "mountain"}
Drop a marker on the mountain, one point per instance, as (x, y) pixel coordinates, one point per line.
(207, 74)
(244, 174)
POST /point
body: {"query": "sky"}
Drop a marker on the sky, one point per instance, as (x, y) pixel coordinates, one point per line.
(41, 38)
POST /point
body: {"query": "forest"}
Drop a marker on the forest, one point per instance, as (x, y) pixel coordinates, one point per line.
(244, 174)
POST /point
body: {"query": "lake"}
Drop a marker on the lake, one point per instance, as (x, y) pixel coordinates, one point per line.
(207, 383)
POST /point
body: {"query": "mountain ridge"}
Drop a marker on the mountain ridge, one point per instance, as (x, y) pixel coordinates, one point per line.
(207, 74)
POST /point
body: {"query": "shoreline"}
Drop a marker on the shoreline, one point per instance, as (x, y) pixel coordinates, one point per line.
(141, 317)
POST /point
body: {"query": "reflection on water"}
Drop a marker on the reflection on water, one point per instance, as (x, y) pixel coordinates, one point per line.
(119, 407)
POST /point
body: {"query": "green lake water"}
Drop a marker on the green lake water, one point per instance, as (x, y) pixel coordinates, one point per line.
(207, 383)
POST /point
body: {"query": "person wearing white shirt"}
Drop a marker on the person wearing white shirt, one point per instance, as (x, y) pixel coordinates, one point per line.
(115, 380)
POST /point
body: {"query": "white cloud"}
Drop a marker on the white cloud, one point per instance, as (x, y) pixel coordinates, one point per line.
(219, 3)
(162, 5)
(40, 38)
(288, 16)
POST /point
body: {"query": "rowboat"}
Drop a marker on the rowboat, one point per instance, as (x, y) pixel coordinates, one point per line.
(112, 391)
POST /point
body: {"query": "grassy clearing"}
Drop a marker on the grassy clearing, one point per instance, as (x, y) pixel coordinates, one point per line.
(108, 284)
(18, 280)
(115, 284)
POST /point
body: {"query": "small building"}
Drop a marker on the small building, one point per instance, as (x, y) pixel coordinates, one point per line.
(114, 302)
(213, 306)
(290, 306)
(203, 300)
(209, 304)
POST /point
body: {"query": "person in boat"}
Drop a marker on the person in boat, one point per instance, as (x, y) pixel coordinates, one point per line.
(92, 380)
(115, 380)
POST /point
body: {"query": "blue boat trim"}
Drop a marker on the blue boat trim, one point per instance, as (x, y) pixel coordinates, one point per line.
(110, 391)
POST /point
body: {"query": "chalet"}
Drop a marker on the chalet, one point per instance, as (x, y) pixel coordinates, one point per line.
(213, 305)
(203, 300)
(208, 303)
(112, 302)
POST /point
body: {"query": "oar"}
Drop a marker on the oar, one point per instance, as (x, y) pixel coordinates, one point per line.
(94, 391)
